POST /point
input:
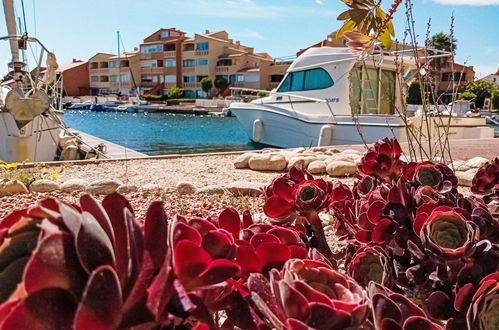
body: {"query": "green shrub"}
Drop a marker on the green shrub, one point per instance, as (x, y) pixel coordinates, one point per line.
(414, 94)
(149, 97)
(206, 84)
(482, 89)
(467, 95)
(495, 101)
(175, 93)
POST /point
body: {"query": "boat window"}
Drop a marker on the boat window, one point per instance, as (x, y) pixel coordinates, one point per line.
(372, 91)
(306, 80)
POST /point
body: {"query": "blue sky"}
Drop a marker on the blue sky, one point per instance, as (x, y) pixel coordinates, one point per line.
(79, 29)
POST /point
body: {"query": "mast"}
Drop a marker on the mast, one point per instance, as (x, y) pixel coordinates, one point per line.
(119, 62)
(10, 20)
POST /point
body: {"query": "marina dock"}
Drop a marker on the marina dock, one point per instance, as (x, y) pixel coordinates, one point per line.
(112, 150)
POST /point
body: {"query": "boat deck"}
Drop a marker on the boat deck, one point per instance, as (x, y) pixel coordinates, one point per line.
(113, 150)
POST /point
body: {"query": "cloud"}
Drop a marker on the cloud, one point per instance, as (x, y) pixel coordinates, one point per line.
(468, 2)
(319, 2)
(245, 9)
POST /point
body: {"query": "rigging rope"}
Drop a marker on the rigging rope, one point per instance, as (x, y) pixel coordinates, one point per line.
(24, 19)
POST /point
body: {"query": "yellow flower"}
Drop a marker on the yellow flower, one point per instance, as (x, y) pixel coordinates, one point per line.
(11, 165)
(54, 175)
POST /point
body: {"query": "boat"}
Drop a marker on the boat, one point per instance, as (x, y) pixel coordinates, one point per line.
(332, 96)
(80, 106)
(136, 105)
(32, 128)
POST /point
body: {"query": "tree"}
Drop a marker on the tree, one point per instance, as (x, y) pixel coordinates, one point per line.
(482, 89)
(467, 95)
(221, 84)
(495, 101)
(206, 84)
(8, 76)
(443, 41)
(414, 94)
(175, 93)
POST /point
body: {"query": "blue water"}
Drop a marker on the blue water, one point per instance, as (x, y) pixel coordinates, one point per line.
(162, 133)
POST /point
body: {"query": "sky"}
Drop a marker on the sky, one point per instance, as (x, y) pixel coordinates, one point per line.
(80, 29)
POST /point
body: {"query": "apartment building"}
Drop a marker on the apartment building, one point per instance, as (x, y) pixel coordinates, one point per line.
(168, 58)
(114, 74)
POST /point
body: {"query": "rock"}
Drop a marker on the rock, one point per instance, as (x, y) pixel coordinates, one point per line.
(267, 162)
(317, 167)
(351, 151)
(299, 150)
(211, 190)
(465, 178)
(319, 149)
(241, 161)
(333, 150)
(300, 162)
(103, 186)
(340, 168)
(459, 165)
(12, 187)
(477, 162)
(342, 157)
(74, 185)
(186, 188)
(245, 188)
(127, 189)
(44, 185)
(152, 188)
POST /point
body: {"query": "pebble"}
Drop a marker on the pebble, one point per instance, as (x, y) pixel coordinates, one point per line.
(465, 178)
(267, 162)
(185, 188)
(245, 188)
(340, 168)
(317, 167)
(477, 162)
(12, 187)
(126, 189)
(44, 185)
(241, 161)
(152, 188)
(74, 185)
(103, 186)
(211, 190)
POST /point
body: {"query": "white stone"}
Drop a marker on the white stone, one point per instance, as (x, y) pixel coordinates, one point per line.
(459, 165)
(152, 188)
(211, 190)
(300, 162)
(74, 185)
(44, 185)
(103, 186)
(351, 151)
(245, 188)
(317, 167)
(477, 162)
(319, 149)
(241, 161)
(12, 187)
(341, 157)
(299, 150)
(186, 188)
(126, 189)
(341, 168)
(268, 162)
(465, 178)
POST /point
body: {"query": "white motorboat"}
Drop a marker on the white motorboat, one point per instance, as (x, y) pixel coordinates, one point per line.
(330, 96)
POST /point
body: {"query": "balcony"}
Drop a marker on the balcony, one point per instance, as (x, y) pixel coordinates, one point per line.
(221, 69)
(151, 70)
(189, 69)
(201, 52)
(170, 53)
(191, 85)
(237, 84)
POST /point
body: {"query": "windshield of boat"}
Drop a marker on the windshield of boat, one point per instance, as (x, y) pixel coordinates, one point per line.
(312, 79)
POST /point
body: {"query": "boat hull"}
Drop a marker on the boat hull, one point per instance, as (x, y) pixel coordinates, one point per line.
(285, 131)
(36, 142)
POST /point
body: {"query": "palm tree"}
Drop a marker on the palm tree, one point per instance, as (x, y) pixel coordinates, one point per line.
(443, 41)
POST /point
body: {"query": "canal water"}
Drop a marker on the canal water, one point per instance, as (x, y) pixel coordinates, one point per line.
(162, 133)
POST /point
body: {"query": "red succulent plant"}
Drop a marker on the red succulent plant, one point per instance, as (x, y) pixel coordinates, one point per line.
(383, 160)
(309, 294)
(486, 178)
(484, 312)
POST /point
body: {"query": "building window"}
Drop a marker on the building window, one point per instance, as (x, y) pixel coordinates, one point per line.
(189, 63)
(153, 79)
(113, 64)
(165, 34)
(149, 64)
(202, 62)
(202, 46)
(275, 78)
(240, 78)
(188, 47)
(224, 62)
(170, 63)
(170, 79)
(190, 94)
(201, 94)
(189, 79)
(306, 80)
(94, 78)
(151, 49)
(447, 76)
(251, 78)
(125, 78)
